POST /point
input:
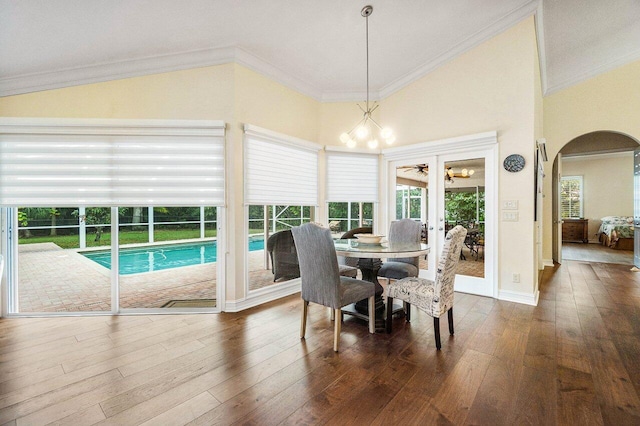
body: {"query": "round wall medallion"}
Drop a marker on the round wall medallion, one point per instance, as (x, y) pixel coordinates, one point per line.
(514, 163)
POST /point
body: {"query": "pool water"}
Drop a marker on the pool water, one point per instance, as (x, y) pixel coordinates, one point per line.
(157, 258)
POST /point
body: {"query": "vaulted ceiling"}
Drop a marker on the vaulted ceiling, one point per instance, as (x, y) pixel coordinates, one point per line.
(315, 47)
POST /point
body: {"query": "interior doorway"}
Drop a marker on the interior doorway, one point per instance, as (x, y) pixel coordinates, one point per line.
(593, 199)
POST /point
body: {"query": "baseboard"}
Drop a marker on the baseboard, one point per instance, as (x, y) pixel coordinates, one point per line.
(547, 262)
(519, 297)
(264, 295)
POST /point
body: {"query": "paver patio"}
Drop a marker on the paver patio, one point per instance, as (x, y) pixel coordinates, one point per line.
(52, 279)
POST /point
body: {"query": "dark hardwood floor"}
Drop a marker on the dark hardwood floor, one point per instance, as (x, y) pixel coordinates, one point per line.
(572, 360)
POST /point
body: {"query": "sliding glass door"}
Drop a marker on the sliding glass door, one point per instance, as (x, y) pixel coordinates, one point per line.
(65, 258)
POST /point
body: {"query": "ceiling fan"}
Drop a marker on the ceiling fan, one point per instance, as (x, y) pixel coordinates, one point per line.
(423, 169)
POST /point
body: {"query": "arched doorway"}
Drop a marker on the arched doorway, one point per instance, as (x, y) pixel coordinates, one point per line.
(592, 180)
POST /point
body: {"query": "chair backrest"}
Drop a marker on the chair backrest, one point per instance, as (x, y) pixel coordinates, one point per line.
(408, 231)
(352, 232)
(353, 261)
(446, 270)
(284, 257)
(319, 271)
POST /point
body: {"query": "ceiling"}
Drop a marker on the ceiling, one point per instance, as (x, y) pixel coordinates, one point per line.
(315, 47)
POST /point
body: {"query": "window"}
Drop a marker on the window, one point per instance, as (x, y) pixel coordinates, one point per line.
(352, 189)
(571, 204)
(349, 215)
(281, 191)
(408, 202)
(73, 186)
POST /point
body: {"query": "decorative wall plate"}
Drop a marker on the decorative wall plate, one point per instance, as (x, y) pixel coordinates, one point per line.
(514, 163)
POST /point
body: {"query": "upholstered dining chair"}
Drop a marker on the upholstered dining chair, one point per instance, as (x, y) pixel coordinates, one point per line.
(321, 280)
(433, 297)
(284, 257)
(405, 230)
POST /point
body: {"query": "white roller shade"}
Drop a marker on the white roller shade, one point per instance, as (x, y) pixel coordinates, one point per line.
(352, 177)
(70, 163)
(279, 169)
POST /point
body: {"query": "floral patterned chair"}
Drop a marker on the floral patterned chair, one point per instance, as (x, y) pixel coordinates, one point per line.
(433, 297)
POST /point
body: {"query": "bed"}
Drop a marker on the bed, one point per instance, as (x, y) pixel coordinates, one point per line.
(617, 232)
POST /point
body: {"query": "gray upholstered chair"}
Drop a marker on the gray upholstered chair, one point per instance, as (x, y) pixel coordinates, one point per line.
(321, 279)
(433, 297)
(284, 257)
(405, 230)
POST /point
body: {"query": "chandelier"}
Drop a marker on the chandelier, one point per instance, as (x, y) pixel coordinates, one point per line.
(367, 128)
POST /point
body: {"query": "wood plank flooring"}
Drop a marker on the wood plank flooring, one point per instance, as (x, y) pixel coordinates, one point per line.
(572, 360)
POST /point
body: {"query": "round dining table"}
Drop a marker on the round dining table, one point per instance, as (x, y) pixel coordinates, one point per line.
(369, 262)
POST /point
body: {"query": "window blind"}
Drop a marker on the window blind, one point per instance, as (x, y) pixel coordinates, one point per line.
(352, 177)
(106, 163)
(279, 170)
(571, 197)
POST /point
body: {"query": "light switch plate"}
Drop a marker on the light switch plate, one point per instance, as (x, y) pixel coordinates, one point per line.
(509, 216)
(510, 205)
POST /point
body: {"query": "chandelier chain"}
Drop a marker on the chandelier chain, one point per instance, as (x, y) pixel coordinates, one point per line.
(367, 26)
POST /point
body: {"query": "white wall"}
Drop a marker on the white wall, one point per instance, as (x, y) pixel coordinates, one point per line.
(608, 186)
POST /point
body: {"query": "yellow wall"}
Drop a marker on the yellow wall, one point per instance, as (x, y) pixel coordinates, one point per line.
(609, 101)
(491, 87)
(605, 193)
(196, 94)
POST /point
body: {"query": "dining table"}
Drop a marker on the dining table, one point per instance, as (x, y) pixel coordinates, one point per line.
(369, 262)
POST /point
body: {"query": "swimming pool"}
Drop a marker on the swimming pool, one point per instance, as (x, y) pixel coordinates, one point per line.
(157, 258)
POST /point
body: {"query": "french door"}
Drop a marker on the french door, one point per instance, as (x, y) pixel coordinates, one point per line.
(456, 188)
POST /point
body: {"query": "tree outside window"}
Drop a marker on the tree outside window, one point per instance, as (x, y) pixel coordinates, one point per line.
(350, 215)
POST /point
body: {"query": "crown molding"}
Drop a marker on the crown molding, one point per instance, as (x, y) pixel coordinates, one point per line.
(254, 63)
(593, 72)
(102, 72)
(542, 50)
(475, 40)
